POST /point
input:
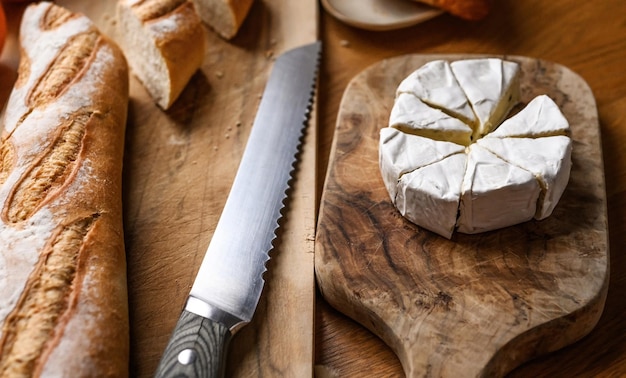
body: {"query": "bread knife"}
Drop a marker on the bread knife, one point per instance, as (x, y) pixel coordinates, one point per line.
(229, 283)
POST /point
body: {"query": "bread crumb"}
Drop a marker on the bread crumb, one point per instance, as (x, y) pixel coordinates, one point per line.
(219, 74)
(344, 43)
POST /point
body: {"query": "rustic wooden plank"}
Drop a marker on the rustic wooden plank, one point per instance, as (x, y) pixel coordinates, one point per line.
(477, 304)
(179, 166)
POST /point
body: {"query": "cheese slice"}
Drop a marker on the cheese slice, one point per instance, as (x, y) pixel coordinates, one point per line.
(435, 84)
(495, 194)
(430, 196)
(541, 117)
(492, 88)
(413, 116)
(400, 153)
(547, 158)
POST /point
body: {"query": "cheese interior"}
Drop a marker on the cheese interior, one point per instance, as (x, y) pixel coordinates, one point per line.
(449, 161)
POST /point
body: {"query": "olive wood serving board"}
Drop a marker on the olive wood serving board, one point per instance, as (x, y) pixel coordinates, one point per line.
(475, 305)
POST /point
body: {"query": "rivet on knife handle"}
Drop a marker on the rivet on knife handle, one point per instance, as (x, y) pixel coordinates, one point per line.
(197, 348)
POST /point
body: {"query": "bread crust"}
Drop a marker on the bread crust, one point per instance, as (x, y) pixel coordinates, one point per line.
(63, 128)
(473, 10)
(164, 42)
(225, 17)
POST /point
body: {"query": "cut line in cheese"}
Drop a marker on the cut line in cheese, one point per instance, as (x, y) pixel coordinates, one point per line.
(495, 194)
(547, 158)
(435, 84)
(540, 118)
(401, 153)
(413, 116)
(444, 172)
(439, 188)
(492, 88)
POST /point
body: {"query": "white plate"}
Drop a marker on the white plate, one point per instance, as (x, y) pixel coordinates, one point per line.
(380, 14)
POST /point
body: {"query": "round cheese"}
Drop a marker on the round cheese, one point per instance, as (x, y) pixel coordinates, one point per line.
(448, 169)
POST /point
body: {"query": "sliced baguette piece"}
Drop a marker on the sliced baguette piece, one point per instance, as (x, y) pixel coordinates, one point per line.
(63, 287)
(164, 42)
(224, 16)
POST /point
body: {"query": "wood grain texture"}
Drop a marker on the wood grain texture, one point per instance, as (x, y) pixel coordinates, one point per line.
(587, 37)
(178, 169)
(476, 305)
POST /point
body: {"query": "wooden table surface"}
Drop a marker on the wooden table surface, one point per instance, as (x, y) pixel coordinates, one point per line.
(587, 37)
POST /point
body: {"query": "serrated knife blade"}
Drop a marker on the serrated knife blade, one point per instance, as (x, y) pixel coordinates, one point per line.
(229, 282)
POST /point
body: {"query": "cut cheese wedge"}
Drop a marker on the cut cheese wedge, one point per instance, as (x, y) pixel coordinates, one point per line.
(547, 158)
(401, 153)
(413, 116)
(541, 117)
(495, 194)
(436, 188)
(445, 174)
(492, 88)
(435, 84)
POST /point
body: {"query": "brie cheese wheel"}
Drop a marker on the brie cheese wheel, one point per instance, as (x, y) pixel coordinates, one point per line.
(444, 172)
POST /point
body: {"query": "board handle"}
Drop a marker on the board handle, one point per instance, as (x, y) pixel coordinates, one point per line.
(197, 348)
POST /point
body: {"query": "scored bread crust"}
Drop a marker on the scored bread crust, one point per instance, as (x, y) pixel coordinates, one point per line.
(224, 16)
(473, 10)
(63, 287)
(164, 42)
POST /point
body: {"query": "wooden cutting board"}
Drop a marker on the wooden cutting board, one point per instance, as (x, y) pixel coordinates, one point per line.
(476, 305)
(178, 169)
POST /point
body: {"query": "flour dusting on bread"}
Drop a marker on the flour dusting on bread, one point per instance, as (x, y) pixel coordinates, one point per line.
(63, 293)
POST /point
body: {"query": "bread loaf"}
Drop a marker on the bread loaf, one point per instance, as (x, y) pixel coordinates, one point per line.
(63, 293)
(224, 16)
(164, 42)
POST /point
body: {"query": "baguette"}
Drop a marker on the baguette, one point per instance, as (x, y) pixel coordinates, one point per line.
(164, 42)
(63, 288)
(224, 16)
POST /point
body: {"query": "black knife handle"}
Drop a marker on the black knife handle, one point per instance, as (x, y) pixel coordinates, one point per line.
(197, 348)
